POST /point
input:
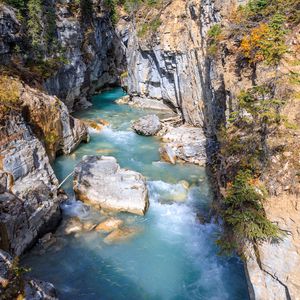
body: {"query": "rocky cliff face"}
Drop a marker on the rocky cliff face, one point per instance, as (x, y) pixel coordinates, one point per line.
(86, 54)
(93, 52)
(34, 128)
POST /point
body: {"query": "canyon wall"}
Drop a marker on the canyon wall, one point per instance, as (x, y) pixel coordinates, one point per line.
(82, 53)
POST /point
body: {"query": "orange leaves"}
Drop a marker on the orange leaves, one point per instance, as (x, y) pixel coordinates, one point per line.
(253, 44)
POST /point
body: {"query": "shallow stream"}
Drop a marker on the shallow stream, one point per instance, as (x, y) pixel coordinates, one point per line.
(173, 257)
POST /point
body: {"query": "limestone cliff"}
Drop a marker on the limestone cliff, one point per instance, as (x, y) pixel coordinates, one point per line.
(34, 128)
(75, 53)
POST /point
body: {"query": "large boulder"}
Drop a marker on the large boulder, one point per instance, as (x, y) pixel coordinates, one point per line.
(148, 125)
(99, 181)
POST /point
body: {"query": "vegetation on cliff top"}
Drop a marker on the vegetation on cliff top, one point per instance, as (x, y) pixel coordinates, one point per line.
(258, 30)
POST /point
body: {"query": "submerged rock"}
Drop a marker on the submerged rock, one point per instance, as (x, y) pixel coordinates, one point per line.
(73, 226)
(148, 125)
(99, 180)
(38, 290)
(109, 225)
(121, 235)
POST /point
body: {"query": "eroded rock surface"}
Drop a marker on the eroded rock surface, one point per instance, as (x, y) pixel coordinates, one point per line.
(99, 180)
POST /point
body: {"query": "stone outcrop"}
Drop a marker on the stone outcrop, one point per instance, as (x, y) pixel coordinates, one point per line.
(10, 283)
(29, 203)
(51, 122)
(273, 270)
(148, 125)
(184, 143)
(99, 181)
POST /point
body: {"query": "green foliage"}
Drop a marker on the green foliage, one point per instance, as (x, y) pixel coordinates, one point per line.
(35, 28)
(214, 37)
(244, 215)
(50, 25)
(150, 27)
(259, 103)
(112, 5)
(14, 288)
(19, 4)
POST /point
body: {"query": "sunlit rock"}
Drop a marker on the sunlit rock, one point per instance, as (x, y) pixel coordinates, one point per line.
(121, 235)
(99, 181)
(148, 125)
(109, 225)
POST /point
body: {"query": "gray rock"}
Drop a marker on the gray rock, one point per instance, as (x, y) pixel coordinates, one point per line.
(39, 290)
(29, 204)
(184, 143)
(148, 125)
(95, 58)
(99, 180)
(33, 289)
(9, 31)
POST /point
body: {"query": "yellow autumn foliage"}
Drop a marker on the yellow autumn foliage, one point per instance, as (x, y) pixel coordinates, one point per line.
(9, 90)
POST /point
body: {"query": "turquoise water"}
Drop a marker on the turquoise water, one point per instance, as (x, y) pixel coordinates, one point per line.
(173, 256)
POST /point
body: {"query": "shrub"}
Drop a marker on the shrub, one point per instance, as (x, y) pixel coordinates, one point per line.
(9, 90)
(244, 215)
(35, 28)
(214, 37)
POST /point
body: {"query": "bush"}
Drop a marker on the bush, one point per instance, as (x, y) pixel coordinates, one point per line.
(214, 37)
(9, 90)
(266, 42)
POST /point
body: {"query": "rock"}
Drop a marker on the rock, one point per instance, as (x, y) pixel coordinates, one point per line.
(165, 69)
(123, 100)
(109, 225)
(51, 122)
(33, 289)
(10, 29)
(99, 180)
(148, 125)
(184, 183)
(73, 226)
(39, 290)
(272, 269)
(6, 263)
(105, 151)
(27, 218)
(167, 154)
(93, 125)
(184, 143)
(89, 226)
(148, 103)
(121, 235)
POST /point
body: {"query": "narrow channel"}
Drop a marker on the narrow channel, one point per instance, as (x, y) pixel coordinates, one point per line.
(172, 257)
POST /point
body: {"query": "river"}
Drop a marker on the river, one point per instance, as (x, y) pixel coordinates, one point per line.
(174, 257)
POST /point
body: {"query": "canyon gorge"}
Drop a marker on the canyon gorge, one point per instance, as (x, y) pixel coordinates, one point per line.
(178, 122)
